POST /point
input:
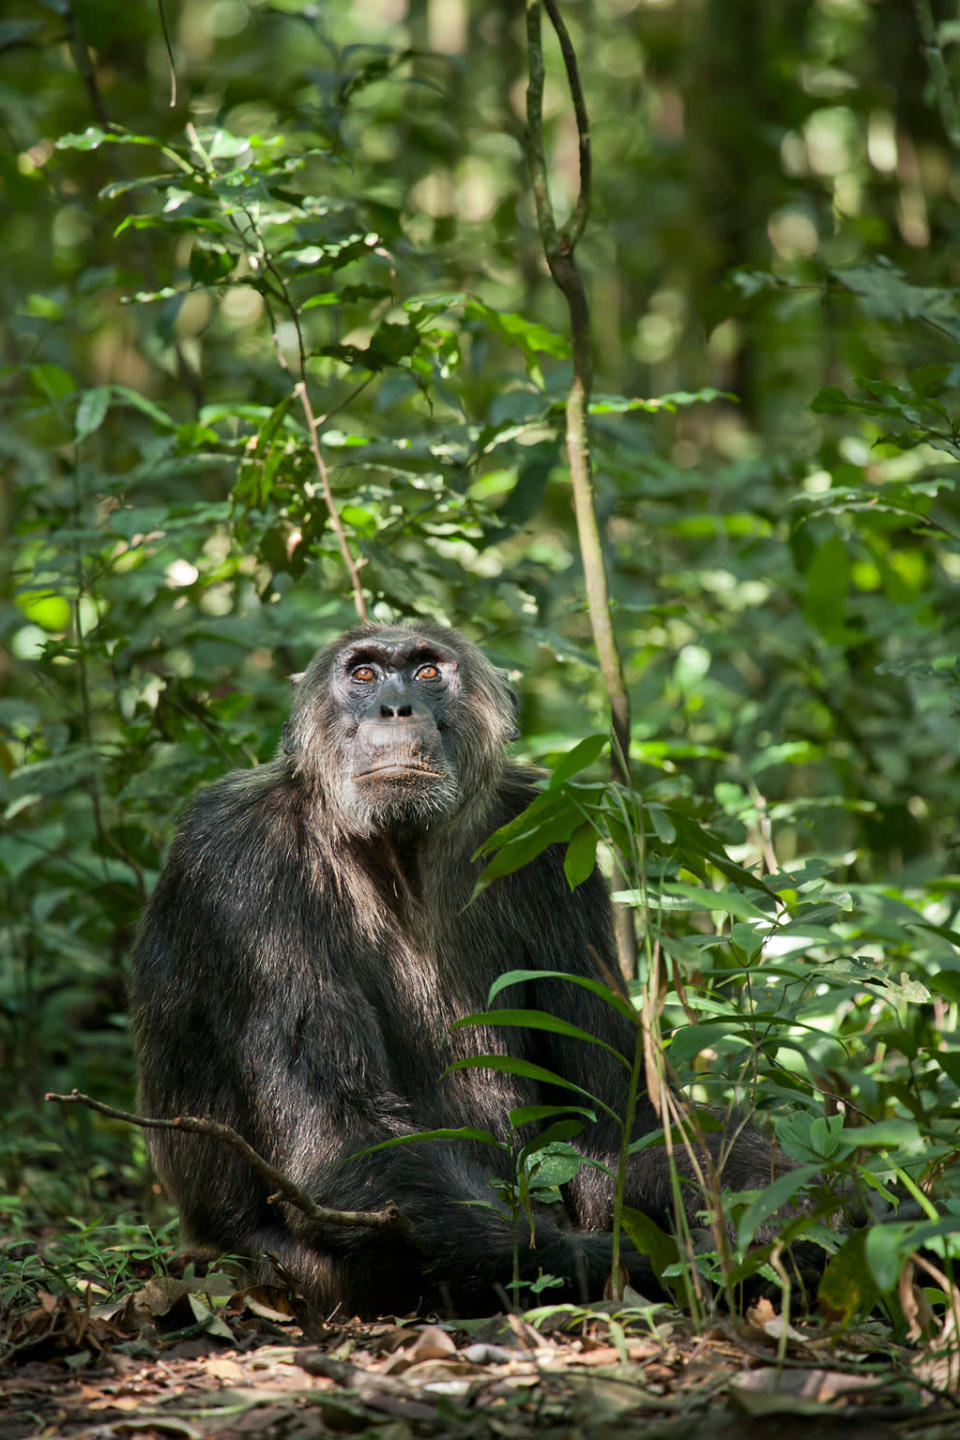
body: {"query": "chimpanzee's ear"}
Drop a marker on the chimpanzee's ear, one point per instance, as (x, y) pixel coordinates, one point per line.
(295, 679)
(289, 744)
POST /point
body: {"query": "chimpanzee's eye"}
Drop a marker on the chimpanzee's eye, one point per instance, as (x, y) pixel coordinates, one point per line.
(364, 673)
(428, 672)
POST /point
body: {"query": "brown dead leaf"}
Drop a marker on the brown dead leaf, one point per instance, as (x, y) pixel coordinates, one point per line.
(160, 1294)
(796, 1392)
(431, 1344)
(230, 1371)
(759, 1314)
(426, 1372)
(610, 1355)
(128, 1403)
(267, 1302)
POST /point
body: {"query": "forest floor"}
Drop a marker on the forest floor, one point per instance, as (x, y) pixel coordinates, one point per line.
(197, 1358)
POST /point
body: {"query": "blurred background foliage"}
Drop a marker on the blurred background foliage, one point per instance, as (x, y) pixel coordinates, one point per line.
(772, 244)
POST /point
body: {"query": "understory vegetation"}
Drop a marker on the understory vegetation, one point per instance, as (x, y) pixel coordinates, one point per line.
(280, 345)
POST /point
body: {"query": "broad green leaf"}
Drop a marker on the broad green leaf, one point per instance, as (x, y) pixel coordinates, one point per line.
(725, 902)
(620, 404)
(947, 982)
(127, 396)
(564, 1129)
(529, 1114)
(537, 1020)
(847, 1287)
(93, 137)
(886, 1249)
(52, 381)
(583, 754)
(606, 993)
(558, 1167)
(948, 1061)
(648, 1239)
(581, 857)
(530, 335)
(785, 1188)
(91, 411)
(828, 579)
(509, 1065)
(465, 1132)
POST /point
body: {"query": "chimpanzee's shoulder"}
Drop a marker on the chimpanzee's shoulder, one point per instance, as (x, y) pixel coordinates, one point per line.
(519, 787)
(242, 804)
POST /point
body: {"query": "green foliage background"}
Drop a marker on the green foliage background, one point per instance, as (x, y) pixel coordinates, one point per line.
(771, 248)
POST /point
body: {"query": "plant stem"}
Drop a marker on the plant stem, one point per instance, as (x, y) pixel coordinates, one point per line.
(558, 249)
(359, 599)
(281, 293)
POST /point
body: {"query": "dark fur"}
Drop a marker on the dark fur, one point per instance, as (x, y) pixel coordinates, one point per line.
(298, 969)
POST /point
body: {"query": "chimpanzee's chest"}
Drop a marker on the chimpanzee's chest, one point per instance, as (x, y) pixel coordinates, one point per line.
(416, 998)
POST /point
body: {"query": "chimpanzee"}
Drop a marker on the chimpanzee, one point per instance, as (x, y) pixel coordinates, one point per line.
(310, 944)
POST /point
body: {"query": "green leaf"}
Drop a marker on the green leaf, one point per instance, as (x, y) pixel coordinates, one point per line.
(532, 337)
(140, 402)
(648, 1239)
(464, 1132)
(581, 857)
(509, 1065)
(947, 982)
(583, 754)
(529, 1114)
(52, 381)
(91, 411)
(847, 1287)
(556, 1166)
(620, 404)
(948, 1061)
(886, 1249)
(537, 1020)
(210, 267)
(831, 400)
(517, 853)
(725, 902)
(612, 997)
(93, 137)
(828, 579)
(564, 1129)
(770, 1199)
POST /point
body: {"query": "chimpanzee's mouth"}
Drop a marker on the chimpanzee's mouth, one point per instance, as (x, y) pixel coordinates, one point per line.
(398, 769)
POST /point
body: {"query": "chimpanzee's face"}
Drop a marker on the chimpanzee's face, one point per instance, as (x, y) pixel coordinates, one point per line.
(396, 695)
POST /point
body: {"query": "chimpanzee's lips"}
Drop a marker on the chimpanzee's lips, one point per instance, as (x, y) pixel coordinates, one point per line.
(398, 768)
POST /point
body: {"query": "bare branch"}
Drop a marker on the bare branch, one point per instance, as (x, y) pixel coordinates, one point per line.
(389, 1218)
(581, 211)
(359, 599)
(300, 390)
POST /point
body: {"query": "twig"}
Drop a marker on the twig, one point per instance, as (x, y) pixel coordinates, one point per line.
(575, 225)
(280, 292)
(313, 429)
(389, 1218)
(170, 60)
(84, 64)
(359, 599)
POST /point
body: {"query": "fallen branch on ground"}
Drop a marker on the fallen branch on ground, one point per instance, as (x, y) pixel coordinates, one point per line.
(284, 1189)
